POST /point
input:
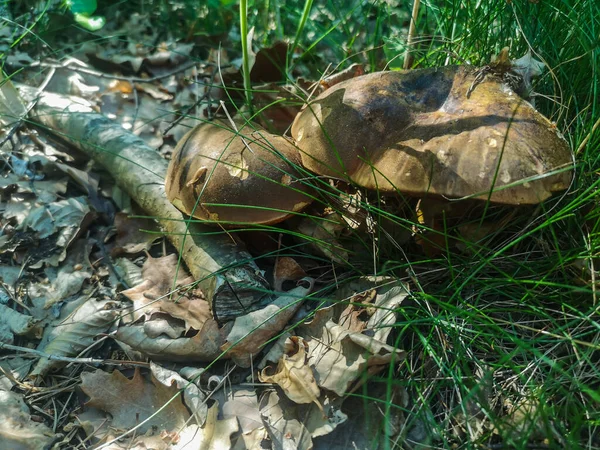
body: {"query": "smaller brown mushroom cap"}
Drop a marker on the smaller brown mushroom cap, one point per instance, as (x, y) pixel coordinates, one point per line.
(434, 131)
(239, 178)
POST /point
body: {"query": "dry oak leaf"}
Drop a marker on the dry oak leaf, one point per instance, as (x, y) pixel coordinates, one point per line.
(131, 402)
(13, 322)
(134, 234)
(339, 354)
(204, 346)
(293, 374)
(250, 332)
(353, 316)
(193, 398)
(289, 424)
(151, 296)
(99, 432)
(70, 278)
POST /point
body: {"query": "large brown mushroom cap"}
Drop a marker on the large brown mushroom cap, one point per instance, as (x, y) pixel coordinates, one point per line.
(418, 132)
(245, 178)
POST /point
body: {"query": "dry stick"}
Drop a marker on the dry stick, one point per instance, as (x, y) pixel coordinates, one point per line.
(223, 267)
(92, 361)
(408, 59)
(72, 65)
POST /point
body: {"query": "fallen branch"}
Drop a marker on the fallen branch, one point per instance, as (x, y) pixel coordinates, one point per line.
(224, 269)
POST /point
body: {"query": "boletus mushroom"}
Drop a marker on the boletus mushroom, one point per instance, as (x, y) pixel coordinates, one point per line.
(440, 131)
(234, 177)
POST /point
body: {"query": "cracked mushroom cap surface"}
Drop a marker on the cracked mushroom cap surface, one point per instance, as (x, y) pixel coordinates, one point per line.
(419, 132)
(216, 174)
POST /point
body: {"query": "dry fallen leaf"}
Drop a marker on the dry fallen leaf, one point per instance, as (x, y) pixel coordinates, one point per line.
(337, 360)
(132, 401)
(13, 323)
(291, 426)
(75, 333)
(204, 346)
(340, 352)
(161, 337)
(64, 216)
(151, 296)
(242, 404)
(355, 316)
(99, 431)
(13, 371)
(286, 269)
(285, 430)
(252, 440)
(17, 430)
(528, 67)
(193, 397)
(163, 325)
(252, 331)
(387, 300)
(214, 435)
(56, 224)
(134, 234)
(293, 374)
(156, 92)
(69, 278)
(47, 191)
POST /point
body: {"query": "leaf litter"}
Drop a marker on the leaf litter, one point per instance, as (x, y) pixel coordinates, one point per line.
(68, 258)
(76, 257)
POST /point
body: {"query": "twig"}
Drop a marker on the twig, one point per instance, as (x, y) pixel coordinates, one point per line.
(408, 59)
(91, 361)
(69, 65)
(96, 343)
